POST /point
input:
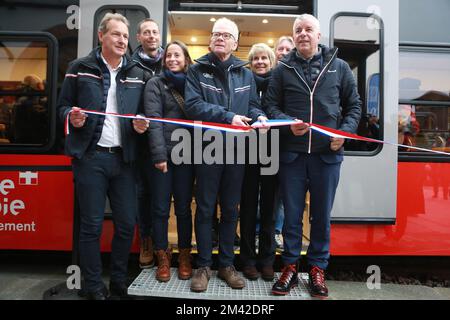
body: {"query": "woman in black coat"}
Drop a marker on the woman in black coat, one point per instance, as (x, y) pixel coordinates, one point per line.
(164, 98)
(258, 191)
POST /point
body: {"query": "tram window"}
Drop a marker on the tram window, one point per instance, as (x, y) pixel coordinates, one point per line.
(134, 14)
(424, 106)
(359, 38)
(24, 95)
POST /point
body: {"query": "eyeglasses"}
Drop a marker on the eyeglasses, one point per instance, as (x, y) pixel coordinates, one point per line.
(224, 35)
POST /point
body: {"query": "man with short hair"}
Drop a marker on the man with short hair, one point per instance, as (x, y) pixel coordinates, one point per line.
(313, 85)
(148, 56)
(220, 89)
(103, 149)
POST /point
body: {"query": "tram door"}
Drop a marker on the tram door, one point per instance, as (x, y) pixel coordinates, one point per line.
(91, 12)
(366, 33)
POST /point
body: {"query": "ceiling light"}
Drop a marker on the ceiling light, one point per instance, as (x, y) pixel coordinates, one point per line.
(212, 19)
(193, 39)
(270, 41)
(265, 21)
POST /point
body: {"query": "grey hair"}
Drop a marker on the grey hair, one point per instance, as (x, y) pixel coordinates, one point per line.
(308, 17)
(262, 47)
(284, 38)
(103, 26)
(231, 23)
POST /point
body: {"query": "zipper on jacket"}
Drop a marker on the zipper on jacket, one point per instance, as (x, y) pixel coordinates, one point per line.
(311, 92)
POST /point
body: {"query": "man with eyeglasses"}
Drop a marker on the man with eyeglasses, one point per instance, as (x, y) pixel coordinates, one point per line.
(220, 89)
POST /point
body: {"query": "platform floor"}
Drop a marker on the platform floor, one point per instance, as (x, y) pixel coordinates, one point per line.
(147, 285)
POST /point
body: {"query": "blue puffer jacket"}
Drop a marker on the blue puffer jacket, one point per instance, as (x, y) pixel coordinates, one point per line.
(333, 101)
(86, 86)
(213, 96)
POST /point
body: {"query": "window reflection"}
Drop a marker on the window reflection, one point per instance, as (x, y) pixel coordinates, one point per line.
(23, 93)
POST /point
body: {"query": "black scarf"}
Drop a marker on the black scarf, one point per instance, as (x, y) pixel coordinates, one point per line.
(178, 80)
(262, 81)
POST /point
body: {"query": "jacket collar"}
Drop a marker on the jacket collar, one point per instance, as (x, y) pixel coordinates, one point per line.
(327, 55)
(94, 61)
(237, 63)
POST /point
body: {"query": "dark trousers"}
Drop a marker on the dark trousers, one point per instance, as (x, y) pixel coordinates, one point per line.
(320, 175)
(177, 181)
(257, 189)
(144, 195)
(223, 182)
(97, 175)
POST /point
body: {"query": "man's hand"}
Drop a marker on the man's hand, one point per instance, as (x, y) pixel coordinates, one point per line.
(77, 118)
(336, 143)
(300, 128)
(161, 166)
(264, 126)
(240, 121)
(140, 126)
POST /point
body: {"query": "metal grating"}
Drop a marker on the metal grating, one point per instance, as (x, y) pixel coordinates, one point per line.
(147, 285)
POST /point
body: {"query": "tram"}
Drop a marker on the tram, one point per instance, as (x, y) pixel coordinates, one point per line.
(390, 201)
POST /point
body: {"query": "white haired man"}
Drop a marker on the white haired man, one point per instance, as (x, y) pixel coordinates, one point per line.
(220, 89)
(313, 85)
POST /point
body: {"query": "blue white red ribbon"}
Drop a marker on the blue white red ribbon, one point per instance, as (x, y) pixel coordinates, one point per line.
(269, 123)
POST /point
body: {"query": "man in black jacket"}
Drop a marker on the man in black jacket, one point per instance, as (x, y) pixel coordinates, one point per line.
(149, 57)
(103, 150)
(310, 84)
(220, 89)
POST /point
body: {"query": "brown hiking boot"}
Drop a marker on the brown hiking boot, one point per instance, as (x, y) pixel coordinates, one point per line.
(184, 264)
(200, 279)
(231, 277)
(163, 271)
(146, 253)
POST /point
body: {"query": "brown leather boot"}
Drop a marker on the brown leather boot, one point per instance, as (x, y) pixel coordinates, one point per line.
(146, 253)
(163, 271)
(184, 264)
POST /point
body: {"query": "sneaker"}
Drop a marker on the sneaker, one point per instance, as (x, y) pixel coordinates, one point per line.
(231, 277)
(279, 242)
(146, 253)
(200, 279)
(287, 281)
(317, 283)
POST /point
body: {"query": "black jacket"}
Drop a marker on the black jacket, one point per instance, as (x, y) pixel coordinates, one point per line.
(152, 69)
(333, 101)
(214, 96)
(84, 87)
(160, 102)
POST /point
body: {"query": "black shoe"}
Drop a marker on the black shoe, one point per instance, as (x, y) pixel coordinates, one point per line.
(250, 272)
(317, 283)
(237, 240)
(101, 294)
(118, 290)
(287, 281)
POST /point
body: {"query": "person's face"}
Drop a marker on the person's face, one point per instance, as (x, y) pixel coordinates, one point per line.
(115, 40)
(220, 46)
(149, 36)
(283, 49)
(260, 63)
(306, 38)
(175, 58)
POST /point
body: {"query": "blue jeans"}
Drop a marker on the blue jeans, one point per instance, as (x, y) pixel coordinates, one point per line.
(223, 182)
(279, 211)
(177, 181)
(319, 174)
(97, 175)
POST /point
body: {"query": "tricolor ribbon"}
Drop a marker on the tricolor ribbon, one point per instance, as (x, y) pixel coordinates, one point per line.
(270, 123)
